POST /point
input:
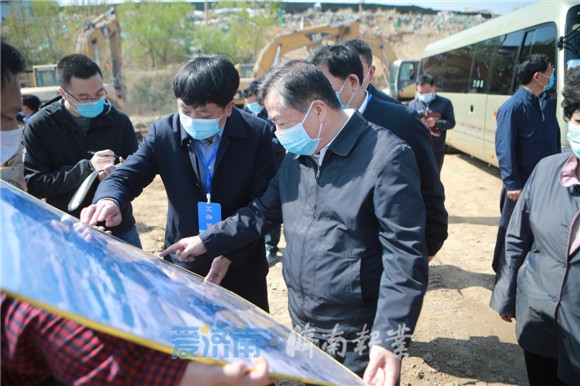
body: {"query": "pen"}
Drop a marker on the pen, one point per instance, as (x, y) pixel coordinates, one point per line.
(106, 155)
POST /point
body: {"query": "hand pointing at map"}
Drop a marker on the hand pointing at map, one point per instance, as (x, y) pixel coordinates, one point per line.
(186, 249)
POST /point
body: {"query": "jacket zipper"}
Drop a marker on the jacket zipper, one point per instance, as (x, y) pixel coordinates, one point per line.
(317, 174)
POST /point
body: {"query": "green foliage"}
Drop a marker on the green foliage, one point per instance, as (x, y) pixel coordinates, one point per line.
(245, 26)
(158, 36)
(38, 30)
(156, 33)
(43, 30)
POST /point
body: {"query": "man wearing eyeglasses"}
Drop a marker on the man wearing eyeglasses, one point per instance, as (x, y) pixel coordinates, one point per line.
(76, 136)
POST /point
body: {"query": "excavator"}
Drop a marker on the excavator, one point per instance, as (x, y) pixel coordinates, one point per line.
(311, 37)
(88, 40)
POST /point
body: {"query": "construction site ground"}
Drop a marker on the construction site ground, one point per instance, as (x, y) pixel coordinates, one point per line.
(459, 340)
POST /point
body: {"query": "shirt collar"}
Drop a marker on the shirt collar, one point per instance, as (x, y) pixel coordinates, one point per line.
(320, 157)
(362, 107)
(569, 174)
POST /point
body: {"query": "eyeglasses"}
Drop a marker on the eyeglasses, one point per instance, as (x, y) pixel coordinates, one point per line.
(548, 69)
(102, 95)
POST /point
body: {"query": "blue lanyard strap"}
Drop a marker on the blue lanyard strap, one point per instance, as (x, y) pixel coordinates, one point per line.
(207, 164)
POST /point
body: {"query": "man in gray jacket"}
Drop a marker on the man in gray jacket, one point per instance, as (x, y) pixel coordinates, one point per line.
(349, 195)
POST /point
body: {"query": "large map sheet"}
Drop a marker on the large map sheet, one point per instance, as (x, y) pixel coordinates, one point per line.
(57, 263)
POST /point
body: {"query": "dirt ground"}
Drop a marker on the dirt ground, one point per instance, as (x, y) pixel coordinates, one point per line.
(459, 340)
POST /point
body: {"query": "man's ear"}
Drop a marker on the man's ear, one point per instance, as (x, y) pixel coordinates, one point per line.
(229, 108)
(354, 82)
(372, 73)
(320, 109)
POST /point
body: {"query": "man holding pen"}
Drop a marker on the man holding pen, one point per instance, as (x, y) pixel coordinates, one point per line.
(77, 136)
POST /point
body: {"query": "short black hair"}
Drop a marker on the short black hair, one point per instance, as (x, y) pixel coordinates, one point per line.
(12, 63)
(340, 60)
(425, 79)
(531, 64)
(571, 92)
(298, 83)
(251, 89)
(206, 79)
(31, 101)
(362, 48)
(78, 66)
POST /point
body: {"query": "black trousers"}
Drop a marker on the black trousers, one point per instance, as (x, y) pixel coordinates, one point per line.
(506, 208)
(542, 371)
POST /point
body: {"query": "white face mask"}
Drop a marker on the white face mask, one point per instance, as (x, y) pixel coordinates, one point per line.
(574, 138)
(10, 141)
(426, 98)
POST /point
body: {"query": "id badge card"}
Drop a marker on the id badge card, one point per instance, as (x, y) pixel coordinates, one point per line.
(208, 214)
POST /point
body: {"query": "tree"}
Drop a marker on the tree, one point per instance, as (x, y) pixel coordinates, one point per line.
(38, 30)
(245, 27)
(157, 33)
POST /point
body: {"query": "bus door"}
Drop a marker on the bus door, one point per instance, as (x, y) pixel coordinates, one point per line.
(500, 55)
(468, 106)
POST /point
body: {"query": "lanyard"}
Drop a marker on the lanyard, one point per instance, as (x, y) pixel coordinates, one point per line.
(207, 164)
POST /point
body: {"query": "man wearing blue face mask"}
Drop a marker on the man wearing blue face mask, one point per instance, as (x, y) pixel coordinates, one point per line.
(343, 68)
(76, 136)
(213, 159)
(436, 113)
(349, 194)
(250, 94)
(527, 131)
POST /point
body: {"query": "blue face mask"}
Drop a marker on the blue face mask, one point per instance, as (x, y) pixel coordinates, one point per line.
(91, 109)
(343, 106)
(254, 107)
(550, 83)
(426, 98)
(574, 138)
(200, 128)
(296, 140)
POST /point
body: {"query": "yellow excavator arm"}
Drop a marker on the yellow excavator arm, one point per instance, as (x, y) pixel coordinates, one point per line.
(91, 37)
(314, 36)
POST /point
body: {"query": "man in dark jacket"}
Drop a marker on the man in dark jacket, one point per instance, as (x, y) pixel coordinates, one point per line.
(365, 53)
(354, 222)
(436, 113)
(73, 137)
(250, 94)
(213, 159)
(343, 69)
(527, 131)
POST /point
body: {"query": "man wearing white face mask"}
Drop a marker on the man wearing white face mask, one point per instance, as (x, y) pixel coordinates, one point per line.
(349, 195)
(213, 159)
(75, 137)
(527, 131)
(11, 169)
(436, 113)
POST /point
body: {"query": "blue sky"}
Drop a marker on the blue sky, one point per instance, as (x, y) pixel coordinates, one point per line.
(496, 6)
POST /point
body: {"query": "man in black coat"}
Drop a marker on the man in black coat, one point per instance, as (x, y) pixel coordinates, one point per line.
(436, 113)
(343, 69)
(75, 136)
(365, 53)
(213, 159)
